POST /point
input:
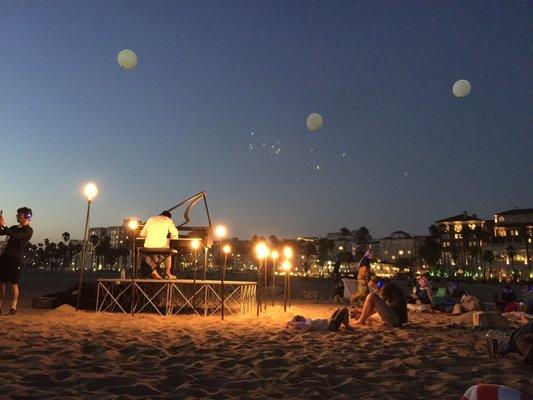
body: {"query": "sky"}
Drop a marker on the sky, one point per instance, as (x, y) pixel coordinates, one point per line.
(211, 73)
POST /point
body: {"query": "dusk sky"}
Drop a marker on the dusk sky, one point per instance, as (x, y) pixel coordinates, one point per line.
(210, 73)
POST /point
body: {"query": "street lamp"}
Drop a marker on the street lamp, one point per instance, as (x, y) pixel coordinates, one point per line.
(133, 225)
(220, 232)
(288, 252)
(261, 250)
(274, 256)
(286, 266)
(195, 245)
(90, 190)
(226, 249)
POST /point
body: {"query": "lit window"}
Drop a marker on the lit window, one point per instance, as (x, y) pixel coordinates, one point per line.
(472, 226)
(458, 228)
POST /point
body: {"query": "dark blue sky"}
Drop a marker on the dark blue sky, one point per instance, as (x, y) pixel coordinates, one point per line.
(210, 73)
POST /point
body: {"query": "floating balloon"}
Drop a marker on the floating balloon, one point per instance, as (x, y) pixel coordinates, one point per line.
(127, 59)
(314, 122)
(461, 88)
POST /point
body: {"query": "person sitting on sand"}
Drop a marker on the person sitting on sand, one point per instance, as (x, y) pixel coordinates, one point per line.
(507, 301)
(389, 305)
(520, 342)
(156, 231)
(339, 317)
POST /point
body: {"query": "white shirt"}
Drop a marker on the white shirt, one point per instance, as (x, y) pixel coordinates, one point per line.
(156, 231)
(310, 324)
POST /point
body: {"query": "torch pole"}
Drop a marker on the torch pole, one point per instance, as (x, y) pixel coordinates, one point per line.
(83, 253)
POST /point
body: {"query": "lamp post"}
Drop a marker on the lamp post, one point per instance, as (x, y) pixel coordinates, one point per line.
(265, 272)
(274, 256)
(133, 225)
(286, 267)
(288, 253)
(220, 232)
(261, 251)
(195, 245)
(226, 249)
(90, 191)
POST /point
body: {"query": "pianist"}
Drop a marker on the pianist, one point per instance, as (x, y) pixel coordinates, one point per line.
(156, 232)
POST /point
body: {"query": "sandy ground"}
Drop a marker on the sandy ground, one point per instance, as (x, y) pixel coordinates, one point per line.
(66, 354)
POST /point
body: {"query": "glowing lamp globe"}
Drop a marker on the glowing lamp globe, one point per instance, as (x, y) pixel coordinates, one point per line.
(221, 231)
(90, 191)
(274, 255)
(133, 224)
(314, 122)
(287, 252)
(127, 59)
(461, 88)
(286, 265)
(226, 249)
(261, 250)
(195, 244)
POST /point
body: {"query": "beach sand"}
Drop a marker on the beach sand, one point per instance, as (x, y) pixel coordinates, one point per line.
(62, 353)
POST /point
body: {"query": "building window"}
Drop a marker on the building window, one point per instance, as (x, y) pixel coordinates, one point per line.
(458, 228)
(472, 226)
(501, 232)
(458, 236)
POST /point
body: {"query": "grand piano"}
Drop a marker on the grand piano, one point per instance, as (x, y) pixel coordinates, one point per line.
(188, 233)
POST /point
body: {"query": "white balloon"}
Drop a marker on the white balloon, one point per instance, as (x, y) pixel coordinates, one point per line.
(314, 122)
(461, 88)
(127, 59)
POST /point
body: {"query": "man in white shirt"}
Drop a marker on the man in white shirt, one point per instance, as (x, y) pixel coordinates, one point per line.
(156, 231)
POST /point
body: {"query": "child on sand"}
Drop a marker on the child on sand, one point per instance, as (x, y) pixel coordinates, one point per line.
(339, 317)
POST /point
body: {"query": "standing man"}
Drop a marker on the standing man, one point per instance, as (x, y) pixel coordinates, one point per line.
(156, 231)
(363, 276)
(11, 258)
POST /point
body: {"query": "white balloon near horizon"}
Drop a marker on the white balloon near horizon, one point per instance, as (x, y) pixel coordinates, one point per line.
(127, 59)
(314, 122)
(461, 88)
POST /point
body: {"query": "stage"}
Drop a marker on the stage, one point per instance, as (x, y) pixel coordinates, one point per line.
(173, 296)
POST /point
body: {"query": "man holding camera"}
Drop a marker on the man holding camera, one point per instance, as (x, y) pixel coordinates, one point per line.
(11, 258)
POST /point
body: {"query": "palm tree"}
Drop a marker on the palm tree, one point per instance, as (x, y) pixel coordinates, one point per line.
(325, 247)
(511, 252)
(430, 252)
(488, 257)
(525, 236)
(67, 253)
(345, 231)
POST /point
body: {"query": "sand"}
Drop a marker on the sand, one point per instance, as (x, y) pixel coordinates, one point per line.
(62, 353)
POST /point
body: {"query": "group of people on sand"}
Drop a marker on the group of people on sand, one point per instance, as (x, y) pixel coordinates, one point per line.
(376, 299)
(383, 301)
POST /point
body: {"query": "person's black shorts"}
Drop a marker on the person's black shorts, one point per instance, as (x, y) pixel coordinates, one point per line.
(10, 269)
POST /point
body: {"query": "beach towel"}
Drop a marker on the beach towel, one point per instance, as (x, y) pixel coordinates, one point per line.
(493, 392)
